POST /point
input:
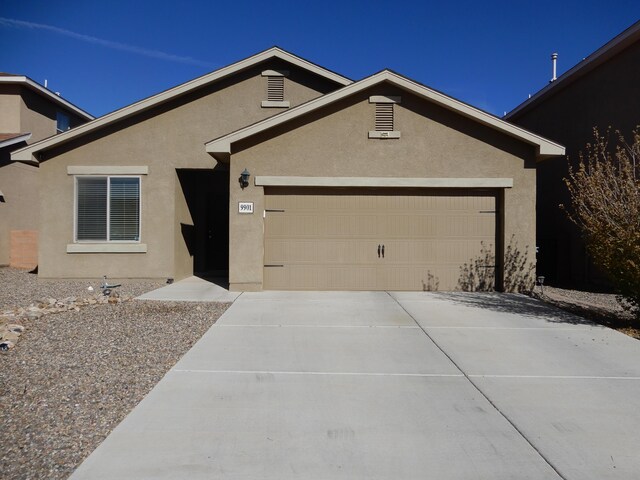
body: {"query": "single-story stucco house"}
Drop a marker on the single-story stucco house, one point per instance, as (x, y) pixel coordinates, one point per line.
(289, 176)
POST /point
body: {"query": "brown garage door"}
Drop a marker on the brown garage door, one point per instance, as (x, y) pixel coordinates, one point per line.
(361, 239)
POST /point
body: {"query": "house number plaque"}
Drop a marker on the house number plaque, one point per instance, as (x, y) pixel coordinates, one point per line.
(245, 207)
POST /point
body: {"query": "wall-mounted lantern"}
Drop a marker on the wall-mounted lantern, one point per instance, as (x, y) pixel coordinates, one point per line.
(244, 178)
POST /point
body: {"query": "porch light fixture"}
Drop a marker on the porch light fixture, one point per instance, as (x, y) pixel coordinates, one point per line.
(244, 178)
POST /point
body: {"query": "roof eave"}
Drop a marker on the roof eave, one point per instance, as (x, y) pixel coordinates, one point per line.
(163, 97)
(45, 92)
(545, 148)
(14, 140)
(612, 47)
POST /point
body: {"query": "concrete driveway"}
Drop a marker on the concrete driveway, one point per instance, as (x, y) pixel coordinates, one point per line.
(388, 386)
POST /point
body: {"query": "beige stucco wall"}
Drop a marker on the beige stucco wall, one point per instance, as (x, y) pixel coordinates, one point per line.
(19, 210)
(169, 137)
(334, 142)
(10, 109)
(22, 111)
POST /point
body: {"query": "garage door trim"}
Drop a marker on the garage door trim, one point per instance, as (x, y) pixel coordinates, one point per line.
(275, 181)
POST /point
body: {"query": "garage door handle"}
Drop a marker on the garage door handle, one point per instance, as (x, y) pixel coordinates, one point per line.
(378, 251)
(382, 251)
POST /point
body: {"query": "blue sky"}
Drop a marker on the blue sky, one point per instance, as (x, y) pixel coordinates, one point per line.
(103, 55)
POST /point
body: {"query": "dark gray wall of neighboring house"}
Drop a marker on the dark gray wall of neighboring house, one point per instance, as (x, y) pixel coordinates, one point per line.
(608, 96)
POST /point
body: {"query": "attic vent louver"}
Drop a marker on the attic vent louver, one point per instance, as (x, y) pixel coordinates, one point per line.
(384, 117)
(275, 89)
(384, 121)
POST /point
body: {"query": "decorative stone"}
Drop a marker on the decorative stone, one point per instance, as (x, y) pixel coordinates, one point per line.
(11, 336)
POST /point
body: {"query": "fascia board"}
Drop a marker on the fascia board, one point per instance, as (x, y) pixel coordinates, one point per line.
(48, 94)
(545, 147)
(14, 140)
(27, 154)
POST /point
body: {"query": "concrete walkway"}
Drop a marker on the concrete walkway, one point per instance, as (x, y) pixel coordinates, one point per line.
(192, 289)
(388, 386)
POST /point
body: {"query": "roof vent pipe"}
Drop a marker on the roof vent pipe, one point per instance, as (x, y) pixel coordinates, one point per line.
(554, 60)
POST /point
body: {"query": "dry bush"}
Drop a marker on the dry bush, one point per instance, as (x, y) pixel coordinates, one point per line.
(605, 205)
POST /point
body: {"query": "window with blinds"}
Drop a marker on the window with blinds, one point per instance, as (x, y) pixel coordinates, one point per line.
(108, 209)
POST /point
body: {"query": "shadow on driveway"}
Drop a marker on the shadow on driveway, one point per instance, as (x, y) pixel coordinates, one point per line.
(513, 304)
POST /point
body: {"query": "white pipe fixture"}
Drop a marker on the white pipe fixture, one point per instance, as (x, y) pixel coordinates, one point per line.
(554, 60)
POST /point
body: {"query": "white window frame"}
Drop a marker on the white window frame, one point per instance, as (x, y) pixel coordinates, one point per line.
(106, 241)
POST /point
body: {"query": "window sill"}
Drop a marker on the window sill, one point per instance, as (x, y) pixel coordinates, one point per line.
(384, 135)
(272, 104)
(106, 247)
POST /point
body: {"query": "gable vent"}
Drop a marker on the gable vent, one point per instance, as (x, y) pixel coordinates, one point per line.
(384, 120)
(275, 89)
(384, 117)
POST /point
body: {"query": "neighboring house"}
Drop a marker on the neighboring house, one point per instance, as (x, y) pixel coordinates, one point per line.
(601, 91)
(28, 112)
(290, 176)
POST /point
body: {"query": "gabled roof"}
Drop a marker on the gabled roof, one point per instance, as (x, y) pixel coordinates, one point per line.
(27, 154)
(630, 36)
(220, 148)
(10, 78)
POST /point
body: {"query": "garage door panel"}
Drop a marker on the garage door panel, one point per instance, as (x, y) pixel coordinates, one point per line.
(341, 277)
(434, 252)
(318, 251)
(328, 239)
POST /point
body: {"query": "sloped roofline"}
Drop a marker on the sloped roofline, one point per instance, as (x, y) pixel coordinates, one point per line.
(220, 148)
(604, 53)
(44, 92)
(28, 154)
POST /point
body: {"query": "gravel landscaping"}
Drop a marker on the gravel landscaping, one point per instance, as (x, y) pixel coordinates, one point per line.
(73, 376)
(601, 308)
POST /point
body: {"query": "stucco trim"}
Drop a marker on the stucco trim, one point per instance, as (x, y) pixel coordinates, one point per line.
(28, 154)
(275, 104)
(107, 248)
(220, 148)
(383, 134)
(384, 99)
(275, 73)
(274, 181)
(107, 170)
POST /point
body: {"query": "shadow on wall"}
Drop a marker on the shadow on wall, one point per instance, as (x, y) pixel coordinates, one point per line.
(479, 275)
(512, 303)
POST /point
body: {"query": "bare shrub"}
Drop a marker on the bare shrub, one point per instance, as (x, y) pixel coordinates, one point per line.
(605, 205)
(479, 275)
